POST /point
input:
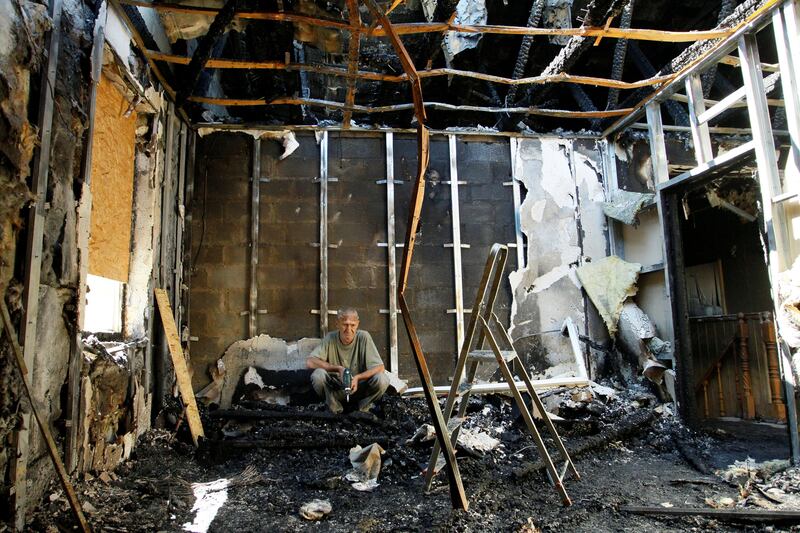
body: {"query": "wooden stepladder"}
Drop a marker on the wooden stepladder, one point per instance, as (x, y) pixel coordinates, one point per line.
(484, 326)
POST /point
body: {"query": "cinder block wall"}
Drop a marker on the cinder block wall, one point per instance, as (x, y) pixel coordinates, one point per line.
(288, 272)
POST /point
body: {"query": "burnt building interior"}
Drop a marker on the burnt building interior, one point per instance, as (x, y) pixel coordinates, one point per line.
(569, 227)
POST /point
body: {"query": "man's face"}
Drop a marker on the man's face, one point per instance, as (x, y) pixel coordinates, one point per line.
(348, 325)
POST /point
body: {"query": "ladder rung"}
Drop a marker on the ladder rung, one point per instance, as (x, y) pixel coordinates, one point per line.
(487, 356)
(563, 471)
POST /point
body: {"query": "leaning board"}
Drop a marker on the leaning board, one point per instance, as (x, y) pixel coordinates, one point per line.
(181, 371)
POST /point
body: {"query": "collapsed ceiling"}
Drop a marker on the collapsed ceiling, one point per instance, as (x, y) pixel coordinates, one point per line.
(295, 61)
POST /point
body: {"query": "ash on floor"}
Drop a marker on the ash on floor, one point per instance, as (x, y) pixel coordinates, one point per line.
(255, 474)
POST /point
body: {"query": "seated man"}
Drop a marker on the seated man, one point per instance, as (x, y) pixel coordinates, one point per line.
(353, 349)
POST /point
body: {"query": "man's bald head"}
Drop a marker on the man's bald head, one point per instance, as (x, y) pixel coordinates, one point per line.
(347, 311)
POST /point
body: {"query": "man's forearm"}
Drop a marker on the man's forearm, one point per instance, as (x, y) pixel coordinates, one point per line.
(316, 362)
(371, 372)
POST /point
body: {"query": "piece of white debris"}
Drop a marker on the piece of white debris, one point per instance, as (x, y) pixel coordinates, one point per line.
(315, 509)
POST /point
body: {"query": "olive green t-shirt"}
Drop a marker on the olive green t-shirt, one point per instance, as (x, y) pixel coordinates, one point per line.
(358, 356)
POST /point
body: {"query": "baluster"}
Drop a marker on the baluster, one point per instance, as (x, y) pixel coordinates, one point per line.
(744, 356)
(736, 370)
(719, 390)
(771, 347)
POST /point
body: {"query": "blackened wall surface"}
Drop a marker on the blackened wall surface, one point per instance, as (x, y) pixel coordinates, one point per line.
(289, 266)
(357, 274)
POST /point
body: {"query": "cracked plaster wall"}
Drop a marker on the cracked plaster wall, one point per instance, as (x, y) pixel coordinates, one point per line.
(563, 223)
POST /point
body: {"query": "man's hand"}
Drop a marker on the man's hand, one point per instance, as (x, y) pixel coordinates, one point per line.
(354, 384)
(340, 371)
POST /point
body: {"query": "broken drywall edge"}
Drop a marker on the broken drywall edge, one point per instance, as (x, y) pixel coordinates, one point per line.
(547, 289)
(261, 351)
(286, 137)
(558, 181)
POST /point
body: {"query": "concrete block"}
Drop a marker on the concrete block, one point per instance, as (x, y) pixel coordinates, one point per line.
(210, 254)
(298, 166)
(353, 234)
(236, 210)
(228, 278)
(236, 300)
(223, 233)
(224, 144)
(204, 300)
(360, 147)
(236, 255)
(270, 234)
(199, 278)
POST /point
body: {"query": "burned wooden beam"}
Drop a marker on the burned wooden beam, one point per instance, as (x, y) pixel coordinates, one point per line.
(598, 12)
(413, 28)
(44, 424)
(557, 113)
(337, 441)
(678, 112)
(630, 426)
(204, 48)
(267, 414)
(400, 78)
(759, 515)
(693, 59)
(620, 51)
(525, 48)
(352, 60)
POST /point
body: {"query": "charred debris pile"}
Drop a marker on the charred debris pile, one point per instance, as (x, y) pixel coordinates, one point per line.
(280, 466)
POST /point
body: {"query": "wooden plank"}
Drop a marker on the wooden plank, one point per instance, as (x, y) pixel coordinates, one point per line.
(314, 102)
(352, 60)
(205, 45)
(772, 515)
(415, 209)
(457, 496)
(43, 422)
(178, 361)
(355, 74)
(643, 34)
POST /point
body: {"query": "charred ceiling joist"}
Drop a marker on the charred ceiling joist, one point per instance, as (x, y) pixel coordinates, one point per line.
(204, 49)
(250, 79)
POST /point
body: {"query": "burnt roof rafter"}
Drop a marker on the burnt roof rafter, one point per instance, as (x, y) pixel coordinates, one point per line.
(454, 86)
